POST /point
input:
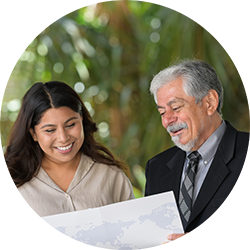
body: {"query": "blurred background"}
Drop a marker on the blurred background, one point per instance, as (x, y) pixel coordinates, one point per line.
(109, 53)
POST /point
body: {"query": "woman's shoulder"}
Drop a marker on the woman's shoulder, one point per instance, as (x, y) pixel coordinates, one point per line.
(87, 162)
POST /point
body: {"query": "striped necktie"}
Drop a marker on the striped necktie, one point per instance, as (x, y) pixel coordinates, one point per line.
(186, 192)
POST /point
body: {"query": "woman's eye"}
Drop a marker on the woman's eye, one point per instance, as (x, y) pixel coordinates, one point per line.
(71, 125)
(50, 130)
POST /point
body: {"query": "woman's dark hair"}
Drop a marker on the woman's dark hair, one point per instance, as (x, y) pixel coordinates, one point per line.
(24, 156)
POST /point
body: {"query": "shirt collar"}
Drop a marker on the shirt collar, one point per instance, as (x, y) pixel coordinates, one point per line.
(209, 147)
(83, 168)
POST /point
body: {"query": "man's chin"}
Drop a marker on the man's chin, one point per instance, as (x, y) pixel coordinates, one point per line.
(185, 147)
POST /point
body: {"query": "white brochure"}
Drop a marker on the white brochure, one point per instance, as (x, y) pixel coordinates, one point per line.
(134, 224)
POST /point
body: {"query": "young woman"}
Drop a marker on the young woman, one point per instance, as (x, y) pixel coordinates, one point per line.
(54, 159)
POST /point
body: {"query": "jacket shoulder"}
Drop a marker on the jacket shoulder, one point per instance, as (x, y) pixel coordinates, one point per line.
(166, 155)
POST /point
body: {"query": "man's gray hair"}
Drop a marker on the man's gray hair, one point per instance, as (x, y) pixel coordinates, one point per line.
(198, 78)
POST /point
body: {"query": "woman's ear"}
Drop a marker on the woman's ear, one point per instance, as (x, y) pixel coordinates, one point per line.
(212, 101)
(33, 134)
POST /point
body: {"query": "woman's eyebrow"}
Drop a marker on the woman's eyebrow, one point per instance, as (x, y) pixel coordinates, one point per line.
(72, 118)
(48, 125)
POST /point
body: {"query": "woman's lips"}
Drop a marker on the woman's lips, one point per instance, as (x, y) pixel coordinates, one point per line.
(66, 149)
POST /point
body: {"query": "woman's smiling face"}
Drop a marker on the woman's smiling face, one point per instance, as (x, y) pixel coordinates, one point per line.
(60, 134)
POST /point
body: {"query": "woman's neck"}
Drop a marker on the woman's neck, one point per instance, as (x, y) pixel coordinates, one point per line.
(61, 173)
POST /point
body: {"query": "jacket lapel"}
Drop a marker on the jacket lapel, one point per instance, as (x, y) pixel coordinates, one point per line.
(217, 172)
(172, 177)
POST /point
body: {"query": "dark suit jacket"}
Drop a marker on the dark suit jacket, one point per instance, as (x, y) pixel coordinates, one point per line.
(163, 173)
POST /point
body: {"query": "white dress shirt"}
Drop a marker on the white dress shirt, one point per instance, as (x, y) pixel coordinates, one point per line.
(207, 152)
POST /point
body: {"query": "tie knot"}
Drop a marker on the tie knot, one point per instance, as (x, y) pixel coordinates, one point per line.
(194, 156)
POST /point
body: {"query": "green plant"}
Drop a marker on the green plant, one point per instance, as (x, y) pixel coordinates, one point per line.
(113, 54)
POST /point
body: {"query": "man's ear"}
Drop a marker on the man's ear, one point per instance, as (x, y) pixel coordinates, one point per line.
(33, 134)
(212, 101)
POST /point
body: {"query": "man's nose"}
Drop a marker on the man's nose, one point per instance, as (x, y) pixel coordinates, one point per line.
(168, 119)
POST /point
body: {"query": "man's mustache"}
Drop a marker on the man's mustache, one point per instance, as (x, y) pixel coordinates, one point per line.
(175, 127)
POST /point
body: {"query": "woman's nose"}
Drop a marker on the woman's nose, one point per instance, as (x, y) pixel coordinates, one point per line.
(63, 136)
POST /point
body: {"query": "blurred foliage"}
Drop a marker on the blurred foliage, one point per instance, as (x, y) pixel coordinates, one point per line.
(109, 53)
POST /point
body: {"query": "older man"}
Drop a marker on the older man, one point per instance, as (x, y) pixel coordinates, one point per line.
(209, 154)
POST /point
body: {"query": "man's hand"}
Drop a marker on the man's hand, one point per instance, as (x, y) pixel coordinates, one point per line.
(180, 242)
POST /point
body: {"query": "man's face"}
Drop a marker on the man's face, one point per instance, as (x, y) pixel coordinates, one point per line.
(186, 122)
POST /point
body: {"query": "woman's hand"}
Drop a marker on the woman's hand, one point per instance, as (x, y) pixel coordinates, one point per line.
(172, 237)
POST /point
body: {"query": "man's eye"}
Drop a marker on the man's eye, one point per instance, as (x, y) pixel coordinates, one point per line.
(161, 112)
(175, 108)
